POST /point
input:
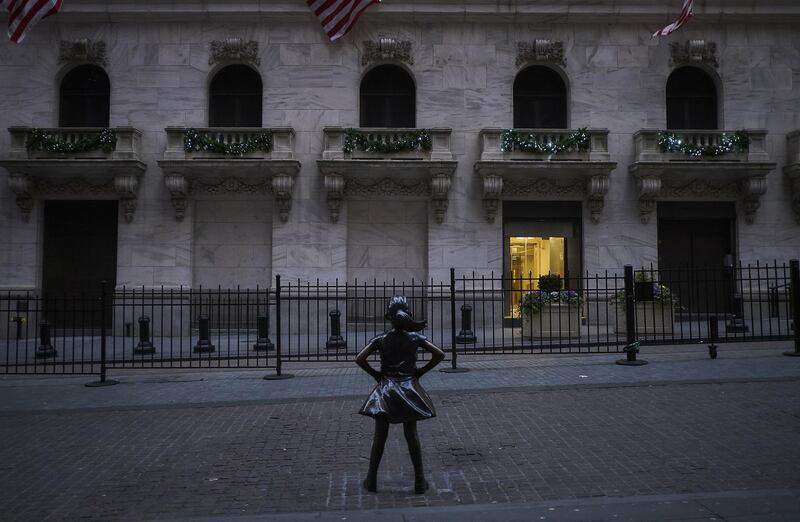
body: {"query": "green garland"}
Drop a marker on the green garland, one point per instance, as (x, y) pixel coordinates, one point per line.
(515, 140)
(736, 142)
(195, 141)
(39, 139)
(406, 141)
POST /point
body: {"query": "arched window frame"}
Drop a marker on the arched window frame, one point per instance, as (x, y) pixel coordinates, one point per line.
(213, 74)
(715, 79)
(361, 108)
(64, 76)
(564, 79)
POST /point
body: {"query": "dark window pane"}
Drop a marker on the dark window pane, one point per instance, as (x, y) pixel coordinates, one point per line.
(84, 98)
(540, 99)
(235, 98)
(691, 100)
(387, 98)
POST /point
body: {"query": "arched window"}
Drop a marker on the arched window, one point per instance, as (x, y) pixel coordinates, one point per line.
(691, 100)
(540, 99)
(387, 98)
(84, 98)
(235, 98)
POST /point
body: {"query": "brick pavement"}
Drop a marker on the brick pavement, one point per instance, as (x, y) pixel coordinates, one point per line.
(487, 446)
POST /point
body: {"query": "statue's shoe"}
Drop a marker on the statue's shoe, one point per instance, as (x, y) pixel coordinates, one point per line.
(420, 486)
(370, 484)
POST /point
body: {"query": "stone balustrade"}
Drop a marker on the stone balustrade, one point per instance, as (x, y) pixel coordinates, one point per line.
(128, 143)
(282, 142)
(595, 150)
(335, 140)
(648, 149)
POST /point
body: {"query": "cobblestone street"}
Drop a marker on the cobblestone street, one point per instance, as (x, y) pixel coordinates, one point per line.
(487, 446)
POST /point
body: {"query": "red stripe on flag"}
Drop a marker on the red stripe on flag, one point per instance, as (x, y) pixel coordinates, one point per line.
(338, 16)
(25, 13)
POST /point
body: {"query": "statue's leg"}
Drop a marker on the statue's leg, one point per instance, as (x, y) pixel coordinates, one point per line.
(414, 449)
(378, 442)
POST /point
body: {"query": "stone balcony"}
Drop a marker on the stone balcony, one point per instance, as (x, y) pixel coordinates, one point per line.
(74, 162)
(792, 169)
(701, 165)
(544, 164)
(386, 163)
(216, 160)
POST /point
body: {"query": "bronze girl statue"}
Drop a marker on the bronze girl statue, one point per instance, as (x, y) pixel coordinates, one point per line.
(398, 396)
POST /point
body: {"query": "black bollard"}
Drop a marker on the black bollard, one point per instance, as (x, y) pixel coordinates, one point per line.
(263, 342)
(203, 343)
(794, 280)
(45, 349)
(336, 341)
(713, 335)
(144, 346)
(632, 346)
(466, 335)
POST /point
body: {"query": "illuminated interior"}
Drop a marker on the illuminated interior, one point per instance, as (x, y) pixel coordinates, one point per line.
(532, 257)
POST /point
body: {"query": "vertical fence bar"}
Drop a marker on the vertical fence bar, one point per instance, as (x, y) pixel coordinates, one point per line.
(632, 348)
(103, 381)
(278, 342)
(453, 355)
(794, 295)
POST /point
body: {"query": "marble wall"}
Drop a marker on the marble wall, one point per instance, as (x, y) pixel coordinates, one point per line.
(464, 73)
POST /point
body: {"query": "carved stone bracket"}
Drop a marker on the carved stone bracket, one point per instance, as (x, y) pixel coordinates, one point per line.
(796, 199)
(282, 192)
(492, 192)
(21, 186)
(385, 49)
(649, 188)
(544, 51)
(334, 189)
(596, 188)
(83, 50)
(127, 186)
(694, 52)
(234, 49)
(752, 189)
(178, 189)
(440, 186)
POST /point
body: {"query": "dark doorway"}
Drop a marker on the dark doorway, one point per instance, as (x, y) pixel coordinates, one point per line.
(85, 98)
(695, 243)
(691, 100)
(235, 98)
(80, 250)
(388, 98)
(540, 99)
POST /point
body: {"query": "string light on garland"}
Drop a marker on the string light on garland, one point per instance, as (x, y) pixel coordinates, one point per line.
(195, 141)
(39, 139)
(403, 142)
(736, 142)
(539, 144)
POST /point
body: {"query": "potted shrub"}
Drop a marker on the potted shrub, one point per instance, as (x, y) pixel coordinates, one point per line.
(654, 316)
(550, 312)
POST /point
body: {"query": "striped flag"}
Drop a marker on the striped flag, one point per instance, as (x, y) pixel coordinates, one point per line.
(686, 14)
(338, 16)
(23, 14)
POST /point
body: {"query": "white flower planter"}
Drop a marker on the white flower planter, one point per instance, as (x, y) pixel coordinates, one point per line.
(652, 318)
(552, 321)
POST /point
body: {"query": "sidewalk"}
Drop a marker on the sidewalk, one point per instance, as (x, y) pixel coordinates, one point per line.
(572, 438)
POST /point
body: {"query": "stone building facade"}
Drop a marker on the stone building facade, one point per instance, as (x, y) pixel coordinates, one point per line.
(317, 206)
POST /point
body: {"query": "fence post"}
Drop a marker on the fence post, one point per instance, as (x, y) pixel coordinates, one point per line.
(794, 295)
(453, 355)
(466, 335)
(278, 375)
(335, 340)
(144, 346)
(45, 349)
(102, 381)
(204, 336)
(632, 347)
(713, 335)
(262, 325)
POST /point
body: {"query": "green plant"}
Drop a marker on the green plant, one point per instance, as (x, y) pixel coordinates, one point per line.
(533, 302)
(550, 283)
(661, 294)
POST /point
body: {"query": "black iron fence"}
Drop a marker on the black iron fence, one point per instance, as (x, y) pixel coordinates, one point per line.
(318, 321)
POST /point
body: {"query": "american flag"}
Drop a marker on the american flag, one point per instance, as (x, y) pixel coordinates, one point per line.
(686, 14)
(338, 16)
(23, 14)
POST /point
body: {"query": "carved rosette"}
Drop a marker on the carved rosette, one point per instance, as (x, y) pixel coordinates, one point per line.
(83, 50)
(334, 189)
(178, 189)
(126, 187)
(440, 186)
(752, 190)
(21, 186)
(492, 192)
(387, 49)
(649, 188)
(694, 52)
(596, 188)
(282, 192)
(541, 51)
(234, 49)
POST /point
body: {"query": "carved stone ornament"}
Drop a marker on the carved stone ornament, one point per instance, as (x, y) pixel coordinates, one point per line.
(386, 187)
(234, 49)
(694, 52)
(596, 188)
(387, 49)
(334, 189)
(649, 188)
(796, 199)
(752, 189)
(492, 192)
(544, 51)
(83, 50)
(282, 192)
(440, 186)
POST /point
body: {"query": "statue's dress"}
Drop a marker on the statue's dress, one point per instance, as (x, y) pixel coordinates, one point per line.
(398, 396)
